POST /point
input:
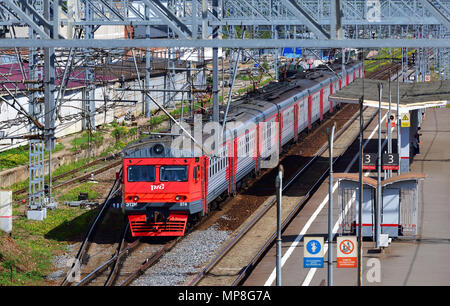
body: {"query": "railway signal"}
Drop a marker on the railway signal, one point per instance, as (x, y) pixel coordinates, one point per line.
(392, 119)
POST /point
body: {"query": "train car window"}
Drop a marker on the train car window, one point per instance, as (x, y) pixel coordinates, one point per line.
(247, 142)
(173, 174)
(141, 173)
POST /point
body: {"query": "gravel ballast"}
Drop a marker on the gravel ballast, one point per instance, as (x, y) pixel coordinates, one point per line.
(185, 259)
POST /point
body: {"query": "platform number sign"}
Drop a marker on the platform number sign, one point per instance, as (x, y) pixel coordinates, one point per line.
(369, 161)
(390, 161)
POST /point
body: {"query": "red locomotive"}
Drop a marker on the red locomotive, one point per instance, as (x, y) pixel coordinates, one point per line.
(163, 187)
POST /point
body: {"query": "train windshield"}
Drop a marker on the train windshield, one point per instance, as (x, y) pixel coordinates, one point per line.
(173, 174)
(141, 173)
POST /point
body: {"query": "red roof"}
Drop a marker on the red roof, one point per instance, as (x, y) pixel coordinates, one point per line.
(12, 72)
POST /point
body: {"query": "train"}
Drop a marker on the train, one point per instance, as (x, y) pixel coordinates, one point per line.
(164, 187)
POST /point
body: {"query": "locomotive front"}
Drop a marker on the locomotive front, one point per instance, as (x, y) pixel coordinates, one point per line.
(161, 190)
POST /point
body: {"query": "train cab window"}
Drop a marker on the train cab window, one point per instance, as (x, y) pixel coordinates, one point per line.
(173, 174)
(141, 173)
(196, 172)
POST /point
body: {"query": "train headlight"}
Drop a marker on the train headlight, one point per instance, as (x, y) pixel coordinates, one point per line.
(158, 148)
(177, 198)
(136, 198)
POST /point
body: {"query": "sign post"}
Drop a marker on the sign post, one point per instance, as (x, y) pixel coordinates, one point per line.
(313, 252)
(361, 153)
(330, 207)
(346, 252)
(279, 187)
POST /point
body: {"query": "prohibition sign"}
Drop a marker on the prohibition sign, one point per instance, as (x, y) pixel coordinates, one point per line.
(346, 247)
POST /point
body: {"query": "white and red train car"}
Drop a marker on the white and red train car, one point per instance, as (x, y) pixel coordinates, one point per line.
(162, 187)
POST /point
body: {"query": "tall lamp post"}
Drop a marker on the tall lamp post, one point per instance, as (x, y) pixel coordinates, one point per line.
(330, 206)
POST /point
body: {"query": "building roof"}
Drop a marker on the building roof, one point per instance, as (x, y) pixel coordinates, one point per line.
(372, 182)
(412, 95)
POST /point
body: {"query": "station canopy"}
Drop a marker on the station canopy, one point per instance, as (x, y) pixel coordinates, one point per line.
(412, 95)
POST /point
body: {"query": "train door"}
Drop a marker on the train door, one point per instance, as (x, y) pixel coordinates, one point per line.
(331, 92)
(309, 111)
(230, 150)
(257, 155)
(302, 114)
(296, 122)
(235, 160)
(280, 129)
(321, 104)
(203, 176)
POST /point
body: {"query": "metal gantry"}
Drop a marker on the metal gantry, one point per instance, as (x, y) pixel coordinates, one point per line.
(67, 41)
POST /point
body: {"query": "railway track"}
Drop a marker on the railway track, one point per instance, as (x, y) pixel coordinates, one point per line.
(118, 262)
(385, 72)
(213, 275)
(309, 187)
(105, 164)
(304, 181)
(122, 273)
(80, 257)
(124, 252)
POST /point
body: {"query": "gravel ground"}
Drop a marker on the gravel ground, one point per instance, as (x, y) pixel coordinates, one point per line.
(185, 259)
(61, 262)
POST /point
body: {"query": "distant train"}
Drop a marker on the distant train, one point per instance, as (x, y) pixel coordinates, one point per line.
(163, 187)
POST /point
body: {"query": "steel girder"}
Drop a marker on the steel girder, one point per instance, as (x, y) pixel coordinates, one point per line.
(225, 43)
(314, 14)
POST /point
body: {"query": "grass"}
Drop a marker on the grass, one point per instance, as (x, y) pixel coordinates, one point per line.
(72, 195)
(82, 142)
(19, 156)
(28, 252)
(19, 264)
(58, 171)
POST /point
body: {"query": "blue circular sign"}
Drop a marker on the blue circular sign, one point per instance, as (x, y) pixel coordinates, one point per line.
(313, 247)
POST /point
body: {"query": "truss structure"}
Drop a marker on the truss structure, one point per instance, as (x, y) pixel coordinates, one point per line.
(60, 42)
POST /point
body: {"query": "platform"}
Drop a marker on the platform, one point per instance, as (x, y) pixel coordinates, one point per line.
(412, 95)
(422, 260)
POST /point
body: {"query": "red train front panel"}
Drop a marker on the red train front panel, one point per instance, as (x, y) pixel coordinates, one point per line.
(159, 194)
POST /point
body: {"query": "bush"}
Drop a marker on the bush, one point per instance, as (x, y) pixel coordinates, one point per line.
(119, 132)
